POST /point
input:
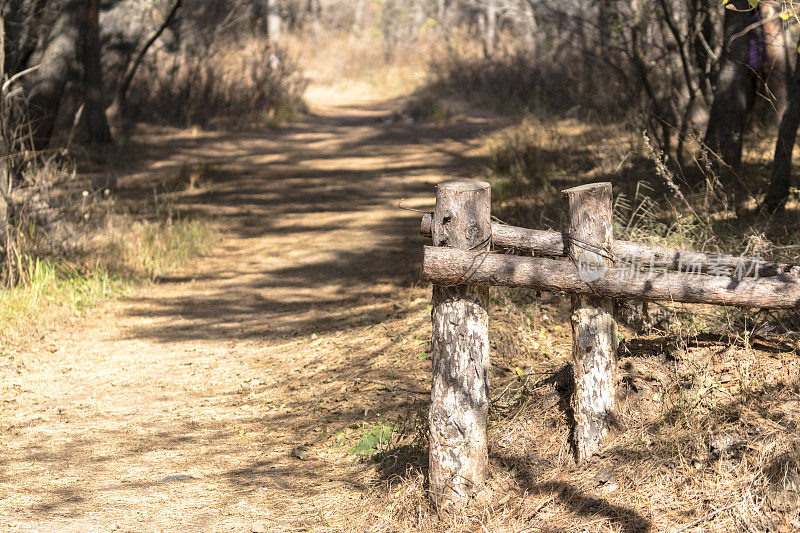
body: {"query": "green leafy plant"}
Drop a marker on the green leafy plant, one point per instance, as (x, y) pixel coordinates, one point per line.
(375, 440)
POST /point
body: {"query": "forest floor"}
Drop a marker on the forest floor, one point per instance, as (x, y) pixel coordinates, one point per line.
(235, 393)
(187, 405)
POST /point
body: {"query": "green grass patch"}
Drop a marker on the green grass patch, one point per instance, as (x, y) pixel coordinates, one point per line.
(51, 288)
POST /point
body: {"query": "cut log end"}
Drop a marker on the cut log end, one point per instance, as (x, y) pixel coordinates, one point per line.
(464, 185)
(588, 187)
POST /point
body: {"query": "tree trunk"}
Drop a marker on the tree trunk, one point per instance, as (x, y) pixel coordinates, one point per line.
(274, 20)
(776, 74)
(531, 26)
(594, 331)
(22, 25)
(700, 12)
(602, 27)
(490, 28)
(728, 112)
(117, 107)
(389, 30)
(94, 110)
(458, 460)
(443, 12)
(358, 16)
(57, 66)
(314, 9)
(778, 192)
(5, 149)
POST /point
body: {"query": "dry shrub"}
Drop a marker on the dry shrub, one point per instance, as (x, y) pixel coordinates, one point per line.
(152, 249)
(46, 216)
(246, 82)
(520, 80)
(33, 201)
(524, 158)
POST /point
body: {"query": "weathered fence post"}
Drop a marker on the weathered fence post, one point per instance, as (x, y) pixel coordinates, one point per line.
(594, 331)
(458, 459)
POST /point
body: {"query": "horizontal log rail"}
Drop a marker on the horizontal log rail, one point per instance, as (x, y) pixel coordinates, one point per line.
(448, 266)
(556, 244)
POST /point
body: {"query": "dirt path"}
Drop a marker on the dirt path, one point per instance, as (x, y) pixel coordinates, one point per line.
(211, 400)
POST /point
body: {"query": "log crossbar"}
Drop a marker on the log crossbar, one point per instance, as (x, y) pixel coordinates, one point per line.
(449, 266)
(556, 244)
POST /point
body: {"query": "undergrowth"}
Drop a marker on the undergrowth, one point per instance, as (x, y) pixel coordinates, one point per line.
(247, 82)
(51, 288)
(518, 81)
(164, 246)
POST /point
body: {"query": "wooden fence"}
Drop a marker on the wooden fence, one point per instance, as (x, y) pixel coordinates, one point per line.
(585, 262)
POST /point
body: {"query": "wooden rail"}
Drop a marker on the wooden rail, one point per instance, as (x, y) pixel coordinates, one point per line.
(556, 244)
(444, 266)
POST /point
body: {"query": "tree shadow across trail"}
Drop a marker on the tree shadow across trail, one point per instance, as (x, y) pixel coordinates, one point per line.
(225, 386)
(313, 239)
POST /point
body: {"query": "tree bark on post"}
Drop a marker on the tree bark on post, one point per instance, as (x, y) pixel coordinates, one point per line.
(458, 459)
(594, 331)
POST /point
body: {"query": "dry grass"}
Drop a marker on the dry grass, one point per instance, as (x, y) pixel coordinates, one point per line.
(706, 438)
(52, 289)
(238, 83)
(77, 243)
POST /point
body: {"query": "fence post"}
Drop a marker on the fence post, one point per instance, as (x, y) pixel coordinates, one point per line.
(594, 331)
(458, 458)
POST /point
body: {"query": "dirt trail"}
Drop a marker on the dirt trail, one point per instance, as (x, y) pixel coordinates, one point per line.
(209, 401)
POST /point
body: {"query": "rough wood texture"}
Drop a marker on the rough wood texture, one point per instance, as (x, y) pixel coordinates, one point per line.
(556, 244)
(458, 459)
(594, 331)
(539, 273)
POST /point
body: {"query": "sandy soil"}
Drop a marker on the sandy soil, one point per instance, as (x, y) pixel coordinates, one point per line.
(211, 400)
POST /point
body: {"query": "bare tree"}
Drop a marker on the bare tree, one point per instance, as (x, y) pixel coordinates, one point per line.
(95, 109)
(728, 112)
(490, 27)
(118, 105)
(274, 20)
(57, 64)
(778, 191)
